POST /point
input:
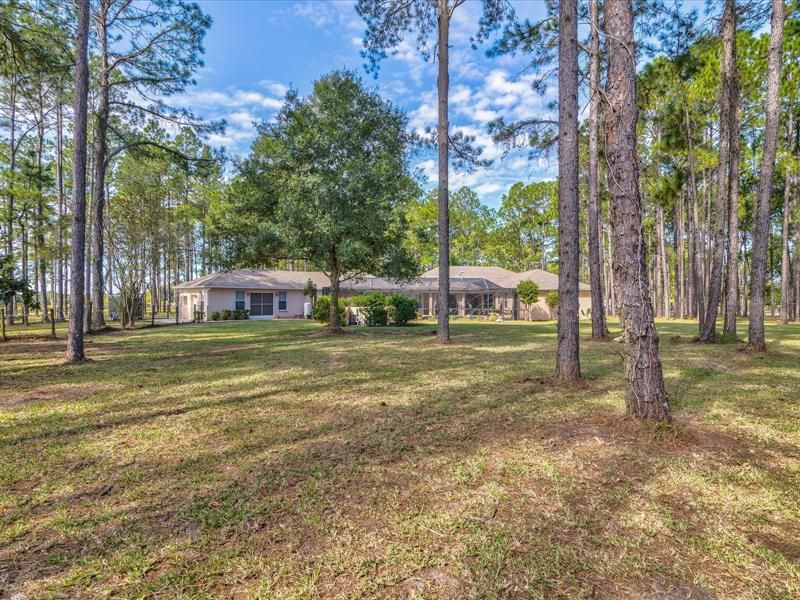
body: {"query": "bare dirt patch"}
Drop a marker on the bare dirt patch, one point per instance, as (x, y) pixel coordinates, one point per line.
(429, 581)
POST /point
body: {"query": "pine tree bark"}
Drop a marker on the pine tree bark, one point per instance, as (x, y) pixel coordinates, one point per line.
(12, 168)
(567, 354)
(732, 292)
(796, 270)
(646, 395)
(75, 333)
(756, 339)
(680, 266)
(23, 242)
(663, 263)
(726, 99)
(698, 303)
(786, 277)
(60, 192)
(443, 88)
(41, 270)
(599, 327)
(99, 184)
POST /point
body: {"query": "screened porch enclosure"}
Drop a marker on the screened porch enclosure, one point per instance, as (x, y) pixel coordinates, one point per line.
(471, 304)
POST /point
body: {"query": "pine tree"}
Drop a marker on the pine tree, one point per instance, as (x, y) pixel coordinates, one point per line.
(646, 395)
(761, 225)
(75, 335)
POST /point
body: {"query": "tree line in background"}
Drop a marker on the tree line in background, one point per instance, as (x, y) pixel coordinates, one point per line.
(677, 195)
(151, 183)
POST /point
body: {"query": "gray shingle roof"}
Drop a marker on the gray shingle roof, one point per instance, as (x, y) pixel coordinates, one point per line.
(461, 279)
(245, 279)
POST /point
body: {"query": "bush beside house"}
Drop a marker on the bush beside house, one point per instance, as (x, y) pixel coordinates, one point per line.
(379, 309)
(402, 309)
(322, 309)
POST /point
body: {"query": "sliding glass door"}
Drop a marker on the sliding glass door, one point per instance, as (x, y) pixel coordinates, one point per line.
(261, 305)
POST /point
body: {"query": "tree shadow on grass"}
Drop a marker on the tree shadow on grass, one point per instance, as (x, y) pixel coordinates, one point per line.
(358, 475)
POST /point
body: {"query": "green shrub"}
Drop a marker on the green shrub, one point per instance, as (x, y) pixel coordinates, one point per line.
(322, 310)
(360, 300)
(402, 308)
(552, 301)
(240, 314)
(215, 315)
(227, 315)
(375, 309)
(199, 315)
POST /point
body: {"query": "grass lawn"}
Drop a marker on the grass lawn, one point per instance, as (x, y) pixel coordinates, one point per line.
(266, 460)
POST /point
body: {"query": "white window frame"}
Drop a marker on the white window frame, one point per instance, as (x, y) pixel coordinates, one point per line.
(283, 297)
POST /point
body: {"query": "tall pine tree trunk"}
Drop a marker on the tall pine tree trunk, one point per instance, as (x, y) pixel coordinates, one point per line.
(99, 184)
(12, 167)
(41, 266)
(568, 366)
(680, 266)
(599, 328)
(443, 89)
(23, 241)
(663, 263)
(646, 396)
(60, 192)
(786, 277)
(756, 340)
(726, 101)
(75, 334)
(732, 292)
(796, 269)
(697, 307)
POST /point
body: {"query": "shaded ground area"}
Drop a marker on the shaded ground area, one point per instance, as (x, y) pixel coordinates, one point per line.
(259, 459)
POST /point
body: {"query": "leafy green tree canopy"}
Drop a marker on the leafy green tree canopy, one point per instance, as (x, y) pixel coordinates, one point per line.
(338, 162)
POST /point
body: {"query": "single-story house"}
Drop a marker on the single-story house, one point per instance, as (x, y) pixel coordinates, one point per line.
(279, 294)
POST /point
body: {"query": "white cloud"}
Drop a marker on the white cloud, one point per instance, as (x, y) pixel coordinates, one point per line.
(233, 98)
(275, 88)
(240, 108)
(489, 187)
(328, 16)
(425, 115)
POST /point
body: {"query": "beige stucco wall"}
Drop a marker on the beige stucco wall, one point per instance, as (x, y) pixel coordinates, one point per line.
(538, 311)
(541, 312)
(219, 299)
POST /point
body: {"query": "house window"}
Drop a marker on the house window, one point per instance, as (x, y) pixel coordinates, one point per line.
(239, 301)
(186, 300)
(282, 301)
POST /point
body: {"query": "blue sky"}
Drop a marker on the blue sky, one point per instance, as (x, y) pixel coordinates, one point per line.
(255, 50)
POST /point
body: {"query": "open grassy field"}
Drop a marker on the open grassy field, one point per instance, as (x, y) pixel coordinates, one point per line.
(266, 460)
